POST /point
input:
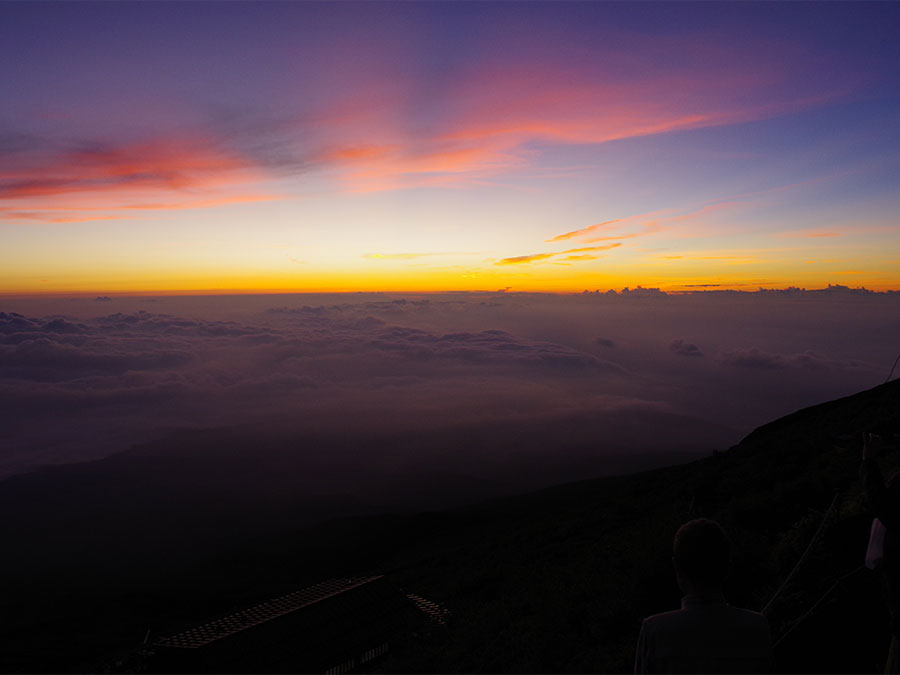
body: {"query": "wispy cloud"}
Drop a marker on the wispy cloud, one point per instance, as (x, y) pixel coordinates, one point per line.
(537, 257)
(584, 230)
(643, 224)
(809, 234)
(519, 259)
(606, 247)
(417, 163)
(497, 118)
(486, 122)
(629, 227)
(169, 165)
(109, 181)
(49, 217)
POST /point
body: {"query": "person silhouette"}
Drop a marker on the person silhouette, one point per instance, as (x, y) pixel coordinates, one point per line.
(706, 635)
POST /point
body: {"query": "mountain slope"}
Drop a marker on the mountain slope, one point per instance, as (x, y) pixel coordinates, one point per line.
(551, 581)
(558, 580)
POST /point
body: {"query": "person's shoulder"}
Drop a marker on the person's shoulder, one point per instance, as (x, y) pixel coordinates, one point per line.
(663, 618)
(721, 614)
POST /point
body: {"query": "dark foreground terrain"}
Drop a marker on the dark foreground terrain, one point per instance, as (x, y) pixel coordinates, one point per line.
(551, 581)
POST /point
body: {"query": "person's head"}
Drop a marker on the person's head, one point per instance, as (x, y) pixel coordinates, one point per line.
(702, 555)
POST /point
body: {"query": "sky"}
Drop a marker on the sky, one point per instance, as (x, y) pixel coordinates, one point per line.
(160, 148)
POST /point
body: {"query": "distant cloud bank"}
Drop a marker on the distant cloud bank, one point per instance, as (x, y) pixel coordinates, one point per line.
(78, 381)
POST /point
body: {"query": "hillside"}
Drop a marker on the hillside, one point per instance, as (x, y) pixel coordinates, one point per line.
(550, 581)
(558, 580)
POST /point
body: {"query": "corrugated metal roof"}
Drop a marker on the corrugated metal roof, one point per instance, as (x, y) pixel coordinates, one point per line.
(432, 610)
(233, 623)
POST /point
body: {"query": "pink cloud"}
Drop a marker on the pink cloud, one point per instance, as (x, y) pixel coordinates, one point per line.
(110, 182)
(809, 234)
(163, 164)
(495, 118)
(585, 230)
(643, 224)
(486, 120)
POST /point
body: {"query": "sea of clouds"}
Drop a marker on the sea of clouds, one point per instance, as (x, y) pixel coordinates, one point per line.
(493, 374)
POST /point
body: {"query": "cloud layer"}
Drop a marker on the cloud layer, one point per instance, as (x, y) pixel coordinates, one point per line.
(101, 376)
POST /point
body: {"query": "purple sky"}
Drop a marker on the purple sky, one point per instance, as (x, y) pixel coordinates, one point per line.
(172, 147)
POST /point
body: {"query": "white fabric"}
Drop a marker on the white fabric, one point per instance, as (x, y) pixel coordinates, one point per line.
(875, 551)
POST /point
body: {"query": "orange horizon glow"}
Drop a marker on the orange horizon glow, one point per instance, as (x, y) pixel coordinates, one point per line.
(565, 155)
(349, 284)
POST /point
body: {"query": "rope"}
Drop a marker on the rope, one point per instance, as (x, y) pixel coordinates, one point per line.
(892, 369)
(817, 603)
(805, 553)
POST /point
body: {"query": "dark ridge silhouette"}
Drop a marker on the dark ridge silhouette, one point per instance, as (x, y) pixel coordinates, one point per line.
(559, 578)
(876, 410)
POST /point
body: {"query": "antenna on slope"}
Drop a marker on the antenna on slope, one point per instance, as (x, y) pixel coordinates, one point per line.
(890, 374)
(805, 553)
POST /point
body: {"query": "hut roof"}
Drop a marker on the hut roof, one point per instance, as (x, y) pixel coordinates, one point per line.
(211, 631)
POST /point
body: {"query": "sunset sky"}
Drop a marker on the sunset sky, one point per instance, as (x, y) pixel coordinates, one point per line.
(182, 147)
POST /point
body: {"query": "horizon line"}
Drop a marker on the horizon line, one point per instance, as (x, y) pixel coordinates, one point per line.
(682, 290)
